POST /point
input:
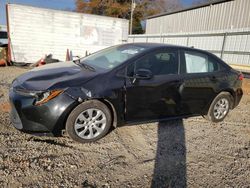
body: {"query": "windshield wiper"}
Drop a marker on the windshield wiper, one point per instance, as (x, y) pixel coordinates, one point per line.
(86, 66)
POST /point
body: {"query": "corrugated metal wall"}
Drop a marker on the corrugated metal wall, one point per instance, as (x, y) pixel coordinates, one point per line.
(35, 32)
(228, 15)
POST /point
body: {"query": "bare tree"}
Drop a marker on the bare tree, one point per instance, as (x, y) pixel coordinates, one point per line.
(122, 9)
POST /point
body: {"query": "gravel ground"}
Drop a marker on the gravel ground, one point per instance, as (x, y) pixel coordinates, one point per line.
(190, 152)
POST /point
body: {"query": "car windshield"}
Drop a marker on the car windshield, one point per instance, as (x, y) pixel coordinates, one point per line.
(112, 57)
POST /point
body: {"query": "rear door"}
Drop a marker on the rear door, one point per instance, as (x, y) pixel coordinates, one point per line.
(158, 97)
(202, 76)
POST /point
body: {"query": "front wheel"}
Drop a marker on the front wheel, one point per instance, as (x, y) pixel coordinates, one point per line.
(220, 107)
(89, 121)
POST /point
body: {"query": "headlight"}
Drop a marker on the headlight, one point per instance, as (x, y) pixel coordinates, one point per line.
(44, 97)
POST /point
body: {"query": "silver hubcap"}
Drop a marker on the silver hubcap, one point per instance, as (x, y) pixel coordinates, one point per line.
(221, 108)
(90, 123)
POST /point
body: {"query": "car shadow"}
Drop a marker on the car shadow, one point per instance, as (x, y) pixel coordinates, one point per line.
(170, 161)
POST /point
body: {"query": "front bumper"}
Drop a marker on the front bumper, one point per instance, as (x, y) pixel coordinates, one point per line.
(48, 118)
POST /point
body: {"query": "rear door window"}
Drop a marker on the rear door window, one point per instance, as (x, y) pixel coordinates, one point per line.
(196, 62)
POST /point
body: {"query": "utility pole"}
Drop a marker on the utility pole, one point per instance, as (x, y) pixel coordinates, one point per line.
(133, 5)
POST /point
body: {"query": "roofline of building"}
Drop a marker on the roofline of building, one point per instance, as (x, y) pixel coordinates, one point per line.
(190, 8)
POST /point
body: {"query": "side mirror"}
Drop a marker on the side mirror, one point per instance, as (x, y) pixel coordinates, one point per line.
(143, 74)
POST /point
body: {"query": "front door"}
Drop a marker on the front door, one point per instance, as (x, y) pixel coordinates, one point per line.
(158, 97)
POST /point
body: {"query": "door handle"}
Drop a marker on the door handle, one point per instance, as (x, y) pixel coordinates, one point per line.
(213, 78)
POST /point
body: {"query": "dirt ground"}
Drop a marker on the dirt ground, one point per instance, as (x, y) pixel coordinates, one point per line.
(190, 152)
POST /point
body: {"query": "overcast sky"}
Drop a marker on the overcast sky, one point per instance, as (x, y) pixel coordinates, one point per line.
(53, 4)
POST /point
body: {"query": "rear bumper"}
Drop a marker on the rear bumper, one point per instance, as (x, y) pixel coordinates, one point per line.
(48, 119)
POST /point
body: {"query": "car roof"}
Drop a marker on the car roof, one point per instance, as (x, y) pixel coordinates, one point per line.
(162, 45)
(159, 45)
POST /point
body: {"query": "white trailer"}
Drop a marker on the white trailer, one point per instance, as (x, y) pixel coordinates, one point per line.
(34, 32)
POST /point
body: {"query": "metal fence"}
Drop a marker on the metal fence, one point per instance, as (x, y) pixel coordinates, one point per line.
(233, 47)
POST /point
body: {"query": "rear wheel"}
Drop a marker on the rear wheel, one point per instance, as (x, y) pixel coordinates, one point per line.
(220, 107)
(89, 121)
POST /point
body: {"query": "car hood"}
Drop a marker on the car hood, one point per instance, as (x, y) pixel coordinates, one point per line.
(54, 76)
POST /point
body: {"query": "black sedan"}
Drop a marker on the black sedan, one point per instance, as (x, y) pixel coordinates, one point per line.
(124, 84)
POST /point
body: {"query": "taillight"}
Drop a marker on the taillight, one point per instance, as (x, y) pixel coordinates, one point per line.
(241, 77)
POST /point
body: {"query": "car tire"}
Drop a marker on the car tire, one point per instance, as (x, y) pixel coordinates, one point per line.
(220, 107)
(89, 121)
